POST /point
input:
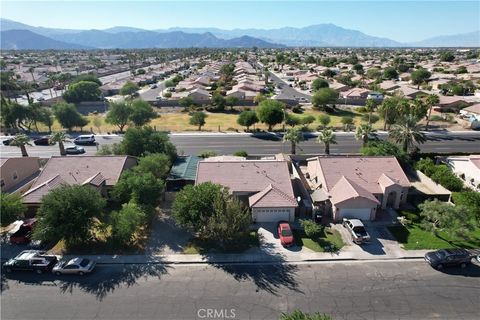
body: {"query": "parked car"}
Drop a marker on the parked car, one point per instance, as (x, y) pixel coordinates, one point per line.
(42, 141)
(285, 234)
(40, 99)
(24, 233)
(86, 139)
(357, 230)
(74, 150)
(448, 257)
(78, 266)
(7, 141)
(31, 260)
(153, 86)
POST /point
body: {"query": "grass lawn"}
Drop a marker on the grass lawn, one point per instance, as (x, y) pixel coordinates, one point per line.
(414, 237)
(179, 121)
(201, 246)
(328, 238)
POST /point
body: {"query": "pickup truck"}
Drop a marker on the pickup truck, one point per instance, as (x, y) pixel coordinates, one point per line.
(357, 230)
(24, 233)
(31, 260)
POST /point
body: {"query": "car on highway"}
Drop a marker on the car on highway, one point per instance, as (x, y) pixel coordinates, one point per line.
(77, 265)
(285, 234)
(357, 230)
(7, 141)
(24, 233)
(40, 99)
(31, 260)
(85, 139)
(448, 257)
(74, 150)
(42, 141)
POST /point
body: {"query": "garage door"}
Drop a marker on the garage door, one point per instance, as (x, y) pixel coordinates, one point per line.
(271, 215)
(358, 213)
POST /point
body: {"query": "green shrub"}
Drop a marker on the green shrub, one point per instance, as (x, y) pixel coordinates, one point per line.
(312, 230)
(444, 176)
(241, 153)
(469, 199)
(207, 154)
(361, 109)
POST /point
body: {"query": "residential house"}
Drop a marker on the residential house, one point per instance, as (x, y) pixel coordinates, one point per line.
(357, 186)
(100, 172)
(264, 186)
(183, 172)
(18, 173)
(467, 168)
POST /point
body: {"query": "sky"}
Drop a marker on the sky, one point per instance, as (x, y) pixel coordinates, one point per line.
(402, 21)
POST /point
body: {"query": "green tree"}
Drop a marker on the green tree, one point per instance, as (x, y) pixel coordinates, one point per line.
(432, 100)
(370, 106)
(365, 132)
(388, 111)
(325, 120)
(141, 113)
(157, 164)
(127, 221)
(11, 208)
(85, 77)
(194, 205)
(469, 199)
(347, 122)
(323, 98)
(119, 114)
(218, 101)
(419, 76)
(319, 83)
(312, 230)
(406, 132)
(327, 137)
(247, 118)
(59, 137)
(358, 69)
(259, 98)
(82, 91)
(447, 56)
(141, 141)
(374, 73)
(306, 120)
(21, 141)
(390, 73)
(198, 119)
(231, 101)
(292, 120)
(186, 103)
(68, 116)
(129, 88)
(141, 187)
(383, 148)
(294, 136)
(271, 112)
(46, 117)
(67, 213)
(455, 220)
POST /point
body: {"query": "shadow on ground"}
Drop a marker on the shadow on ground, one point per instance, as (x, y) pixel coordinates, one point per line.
(103, 281)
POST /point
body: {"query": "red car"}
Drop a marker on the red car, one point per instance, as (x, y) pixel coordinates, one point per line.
(24, 233)
(285, 234)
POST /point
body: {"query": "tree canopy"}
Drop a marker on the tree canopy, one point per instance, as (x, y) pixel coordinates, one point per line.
(247, 118)
(129, 88)
(270, 112)
(323, 98)
(141, 112)
(141, 141)
(119, 114)
(11, 208)
(68, 116)
(82, 91)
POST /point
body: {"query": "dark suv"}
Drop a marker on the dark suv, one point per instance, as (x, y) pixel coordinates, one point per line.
(448, 257)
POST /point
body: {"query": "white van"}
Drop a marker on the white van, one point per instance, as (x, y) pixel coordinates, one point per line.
(85, 139)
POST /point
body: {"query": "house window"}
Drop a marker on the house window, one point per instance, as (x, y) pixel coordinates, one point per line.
(14, 175)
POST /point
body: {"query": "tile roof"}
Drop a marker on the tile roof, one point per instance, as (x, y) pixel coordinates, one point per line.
(362, 170)
(35, 194)
(473, 108)
(247, 176)
(77, 169)
(346, 189)
(271, 197)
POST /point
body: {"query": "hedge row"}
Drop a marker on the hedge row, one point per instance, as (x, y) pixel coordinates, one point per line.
(441, 174)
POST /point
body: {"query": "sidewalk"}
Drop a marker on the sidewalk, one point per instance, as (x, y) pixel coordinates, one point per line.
(219, 258)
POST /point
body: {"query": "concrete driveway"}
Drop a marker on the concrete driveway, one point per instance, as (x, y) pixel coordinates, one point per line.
(270, 243)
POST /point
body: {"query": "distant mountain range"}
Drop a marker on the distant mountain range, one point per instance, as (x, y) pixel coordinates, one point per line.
(321, 35)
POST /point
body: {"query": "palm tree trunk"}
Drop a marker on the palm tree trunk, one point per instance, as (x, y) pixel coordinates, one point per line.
(24, 150)
(365, 139)
(327, 148)
(428, 118)
(405, 145)
(293, 149)
(62, 148)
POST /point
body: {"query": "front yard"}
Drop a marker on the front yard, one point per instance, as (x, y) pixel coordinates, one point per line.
(413, 237)
(202, 246)
(328, 241)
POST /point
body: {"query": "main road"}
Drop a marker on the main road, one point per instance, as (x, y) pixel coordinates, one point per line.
(264, 144)
(346, 290)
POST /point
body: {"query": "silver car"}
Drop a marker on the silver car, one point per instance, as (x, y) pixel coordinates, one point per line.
(78, 266)
(357, 230)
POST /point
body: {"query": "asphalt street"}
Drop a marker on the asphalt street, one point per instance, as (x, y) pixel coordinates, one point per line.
(346, 290)
(264, 144)
(288, 92)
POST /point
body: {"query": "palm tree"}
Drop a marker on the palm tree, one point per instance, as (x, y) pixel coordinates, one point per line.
(432, 100)
(294, 135)
(59, 137)
(407, 131)
(327, 137)
(370, 106)
(21, 140)
(31, 70)
(364, 132)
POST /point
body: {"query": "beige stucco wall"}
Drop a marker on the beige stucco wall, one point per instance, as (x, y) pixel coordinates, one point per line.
(16, 170)
(355, 203)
